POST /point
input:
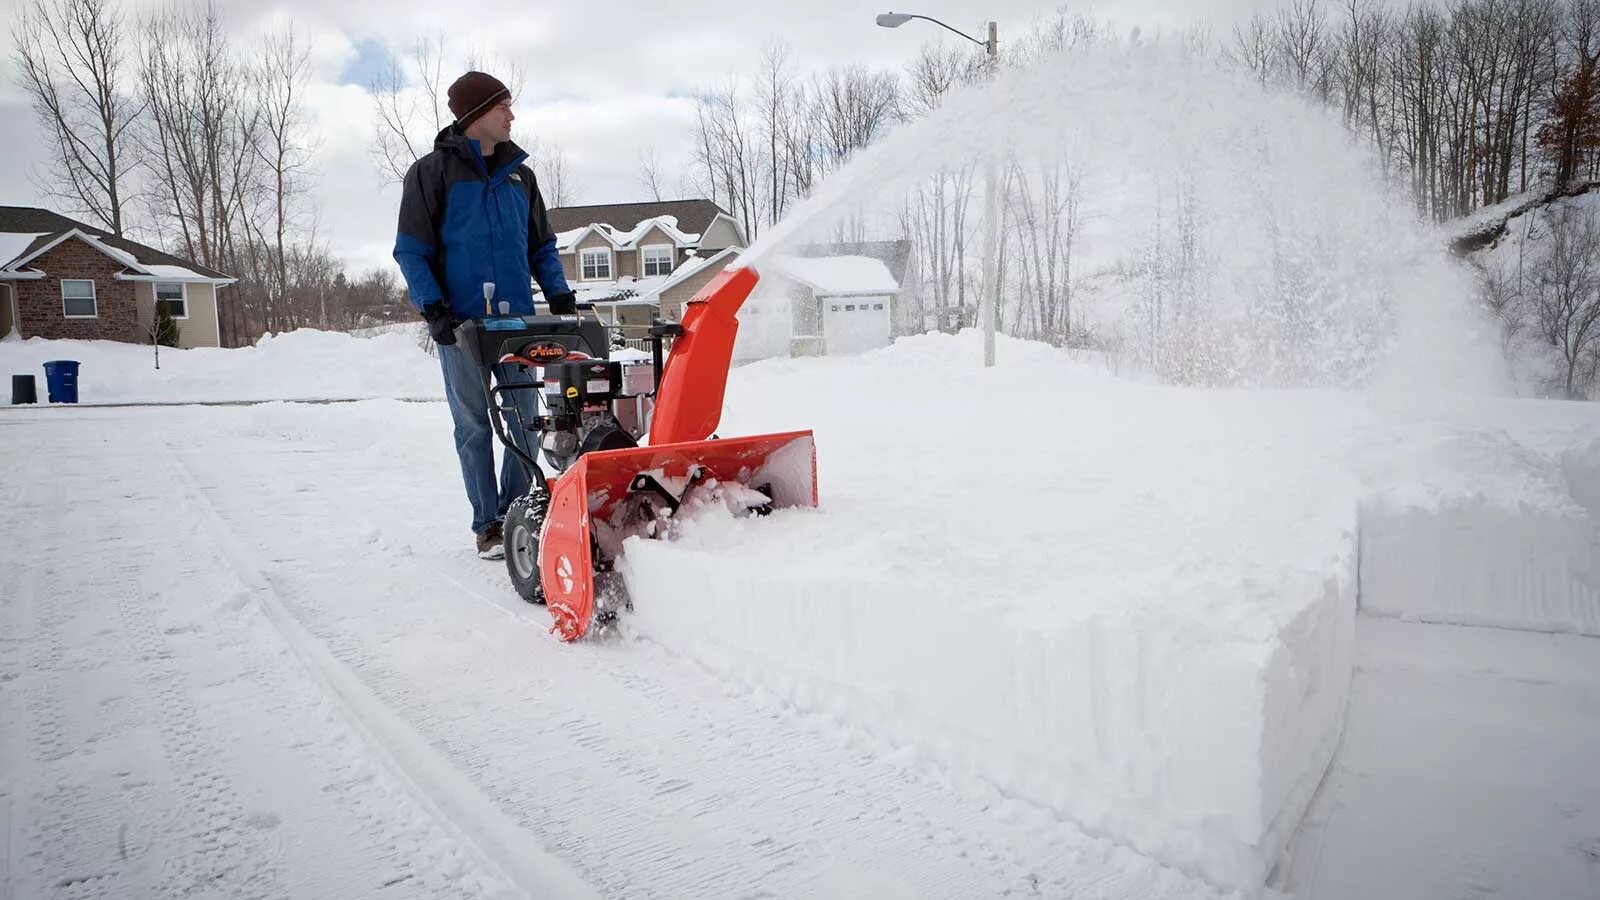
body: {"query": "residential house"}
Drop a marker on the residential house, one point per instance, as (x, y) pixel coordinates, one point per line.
(61, 278)
(636, 261)
(830, 299)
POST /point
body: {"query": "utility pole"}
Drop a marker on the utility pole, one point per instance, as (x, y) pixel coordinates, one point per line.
(991, 218)
(987, 302)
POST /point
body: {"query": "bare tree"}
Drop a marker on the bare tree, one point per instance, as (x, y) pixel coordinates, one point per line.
(1047, 202)
(409, 117)
(779, 104)
(70, 55)
(284, 150)
(1566, 299)
(198, 142)
(1253, 48)
(851, 106)
(557, 184)
(1303, 46)
(728, 152)
(650, 172)
(938, 69)
(1571, 132)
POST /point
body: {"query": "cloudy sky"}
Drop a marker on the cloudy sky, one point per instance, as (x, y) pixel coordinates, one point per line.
(602, 80)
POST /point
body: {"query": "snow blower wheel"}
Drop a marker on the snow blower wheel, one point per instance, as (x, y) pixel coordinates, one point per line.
(524, 519)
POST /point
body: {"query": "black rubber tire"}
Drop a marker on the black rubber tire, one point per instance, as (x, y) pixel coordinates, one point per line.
(524, 523)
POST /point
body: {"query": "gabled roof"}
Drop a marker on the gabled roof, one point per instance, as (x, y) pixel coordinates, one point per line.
(49, 228)
(694, 216)
(629, 239)
(691, 266)
(896, 255)
(838, 276)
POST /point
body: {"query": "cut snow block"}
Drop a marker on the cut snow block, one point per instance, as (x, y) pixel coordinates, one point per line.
(1478, 561)
(1581, 466)
(1196, 738)
(1490, 533)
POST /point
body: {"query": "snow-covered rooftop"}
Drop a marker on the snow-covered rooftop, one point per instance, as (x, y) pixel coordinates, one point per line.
(13, 243)
(837, 275)
(629, 239)
(178, 272)
(643, 290)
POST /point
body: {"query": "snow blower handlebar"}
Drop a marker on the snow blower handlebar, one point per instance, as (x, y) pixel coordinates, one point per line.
(535, 471)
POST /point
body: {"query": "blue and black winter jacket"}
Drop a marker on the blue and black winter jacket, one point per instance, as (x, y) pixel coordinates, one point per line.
(465, 220)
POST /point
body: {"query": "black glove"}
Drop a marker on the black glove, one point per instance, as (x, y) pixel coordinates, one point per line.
(564, 304)
(442, 322)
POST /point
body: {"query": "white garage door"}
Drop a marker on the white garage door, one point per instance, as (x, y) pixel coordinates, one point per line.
(855, 324)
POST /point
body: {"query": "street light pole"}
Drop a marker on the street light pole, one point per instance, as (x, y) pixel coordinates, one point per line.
(991, 212)
(991, 192)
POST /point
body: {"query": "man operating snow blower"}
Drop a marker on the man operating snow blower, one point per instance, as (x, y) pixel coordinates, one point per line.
(472, 236)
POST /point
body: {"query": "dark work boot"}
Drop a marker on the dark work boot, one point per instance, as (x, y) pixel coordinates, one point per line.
(491, 542)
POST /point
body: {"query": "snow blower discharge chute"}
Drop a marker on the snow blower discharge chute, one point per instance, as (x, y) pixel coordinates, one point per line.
(563, 539)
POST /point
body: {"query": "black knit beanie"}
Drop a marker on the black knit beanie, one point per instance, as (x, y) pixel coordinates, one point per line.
(474, 94)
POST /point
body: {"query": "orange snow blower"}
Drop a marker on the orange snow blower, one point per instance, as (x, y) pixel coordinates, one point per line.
(565, 532)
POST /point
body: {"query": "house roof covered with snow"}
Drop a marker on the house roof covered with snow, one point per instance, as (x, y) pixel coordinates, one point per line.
(629, 239)
(691, 216)
(837, 276)
(27, 232)
(894, 254)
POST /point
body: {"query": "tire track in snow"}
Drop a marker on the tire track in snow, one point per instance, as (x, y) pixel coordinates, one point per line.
(79, 816)
(16, 637)
(443, 789)
(649, 776)
(179, 751)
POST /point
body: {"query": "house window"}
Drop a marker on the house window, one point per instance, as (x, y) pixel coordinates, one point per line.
(173, 296)
(656, 259)
(596, 263)
(77, 298)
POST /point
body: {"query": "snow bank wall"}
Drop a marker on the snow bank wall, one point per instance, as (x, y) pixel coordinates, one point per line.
(1198, 746)
(1513, 545)
(1472, 562)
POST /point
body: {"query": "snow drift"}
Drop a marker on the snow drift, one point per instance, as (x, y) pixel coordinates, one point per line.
(305, 364)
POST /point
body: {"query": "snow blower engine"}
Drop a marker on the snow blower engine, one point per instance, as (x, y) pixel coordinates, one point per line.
(595, 413)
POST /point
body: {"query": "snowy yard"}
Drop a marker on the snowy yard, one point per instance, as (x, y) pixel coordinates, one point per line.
(1048, 634)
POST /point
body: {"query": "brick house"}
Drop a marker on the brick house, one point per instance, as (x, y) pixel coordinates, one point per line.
(639, 260)
(61, 278)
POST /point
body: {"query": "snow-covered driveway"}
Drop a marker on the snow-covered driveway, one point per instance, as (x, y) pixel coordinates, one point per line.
(248, 653)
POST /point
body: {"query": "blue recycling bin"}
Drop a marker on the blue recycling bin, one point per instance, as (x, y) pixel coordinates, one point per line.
(61, 380)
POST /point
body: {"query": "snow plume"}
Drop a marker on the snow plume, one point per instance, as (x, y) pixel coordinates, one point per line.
(1181, 216)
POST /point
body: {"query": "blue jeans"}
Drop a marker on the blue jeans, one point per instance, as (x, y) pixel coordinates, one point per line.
(466, 390)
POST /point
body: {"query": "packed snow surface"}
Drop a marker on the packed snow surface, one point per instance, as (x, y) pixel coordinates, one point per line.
(1044, 608)
(1466, 770)
(1130, 604)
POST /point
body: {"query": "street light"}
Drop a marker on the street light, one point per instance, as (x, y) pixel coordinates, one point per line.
(895, 20)
(991, 197)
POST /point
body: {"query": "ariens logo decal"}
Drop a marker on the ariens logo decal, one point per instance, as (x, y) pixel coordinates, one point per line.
(545, 351)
